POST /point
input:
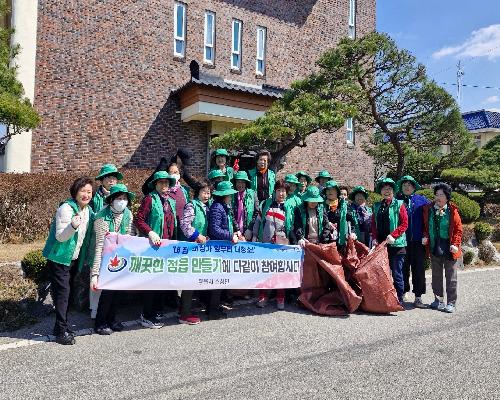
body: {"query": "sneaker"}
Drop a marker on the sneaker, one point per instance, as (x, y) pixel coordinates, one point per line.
(152, 323)
(441, 306)
(418, 303)
(449, 308)
(262, 302)
(406, 297)
(104, 330)
(280, 303)
(190, 320)
(437, 305)
(65, 339)
(117, 327)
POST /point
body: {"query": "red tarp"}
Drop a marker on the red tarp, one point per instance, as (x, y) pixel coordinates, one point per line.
(333, 284)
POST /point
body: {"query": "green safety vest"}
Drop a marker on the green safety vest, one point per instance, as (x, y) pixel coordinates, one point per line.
(157, 216)
(342, 229)
(294, 200)
(265, 206)
(394, 208)
(248, 203)
(443, 228)
(107, 215)
(200, 222)
(97, 202)
(271, 176)
(62, 252)
(320, 210)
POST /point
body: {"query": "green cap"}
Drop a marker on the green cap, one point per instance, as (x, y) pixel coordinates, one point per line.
(221, 152)
(242, 176)
(408, 178)
(323, 174)
(331, 185)
(216, 173)
(108, 169)
(385, 181)
(291, 178)
(224, 188)
(162, 175)
(303, 173)
(358, 189)
(119, 188)
(312, 195)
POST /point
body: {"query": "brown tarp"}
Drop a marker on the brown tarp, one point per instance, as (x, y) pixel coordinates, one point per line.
(333, 284)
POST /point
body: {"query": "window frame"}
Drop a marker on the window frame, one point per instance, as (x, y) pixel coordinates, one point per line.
(239, 51)
(349, 128)
(205, 36)
(351, 20)
(182, 38)
(263, 45)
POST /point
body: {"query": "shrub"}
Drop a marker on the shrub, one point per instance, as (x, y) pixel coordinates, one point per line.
(487, 252)
(34, 265)
(468, 257)
(468, 209)
(467, 233)
(482, 230)
(373, 198)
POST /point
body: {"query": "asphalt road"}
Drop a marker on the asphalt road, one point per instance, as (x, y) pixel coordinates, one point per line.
(267, 354)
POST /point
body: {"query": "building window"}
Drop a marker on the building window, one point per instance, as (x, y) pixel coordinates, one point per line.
(352, 19)
(261, 51)
(349, 134)
(236, 47)
(477, 140)
(179, 30)
(209, 55)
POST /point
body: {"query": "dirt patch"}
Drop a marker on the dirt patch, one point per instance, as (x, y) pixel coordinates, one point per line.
(13, 252)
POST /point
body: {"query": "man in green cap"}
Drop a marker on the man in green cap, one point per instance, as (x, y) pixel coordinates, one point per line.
(389, 223)
(362, 213)
(415, 251)
(292, 185)
(109, 176)
(262, 178)
(323, 177)
(216, 176)
(220, 158)
(304, 182)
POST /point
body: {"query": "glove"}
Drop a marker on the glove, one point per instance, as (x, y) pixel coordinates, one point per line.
(93, 283)
(425, 240)
(248, 235)
(353, 236)
(453, 249)
(76, 221)
(302, 242)
(390, 239)
(155, 239)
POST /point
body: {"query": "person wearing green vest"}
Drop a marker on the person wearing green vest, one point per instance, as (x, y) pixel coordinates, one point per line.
(342, 222)
(221, 226)
(220, 159)
(304, 182)
(362, 214)
(310, 219)
(245, 203)
(292, 185)
(262, 177)
(108, 176)
(114, 217)
(194, 226)
(65, 250)
(389, 224)
(323, 177)
(216, 176)
(156, 219)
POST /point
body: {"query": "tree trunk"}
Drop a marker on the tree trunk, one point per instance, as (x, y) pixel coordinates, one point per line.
(401, 156)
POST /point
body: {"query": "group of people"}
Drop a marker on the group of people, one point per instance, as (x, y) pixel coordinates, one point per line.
(251, 205)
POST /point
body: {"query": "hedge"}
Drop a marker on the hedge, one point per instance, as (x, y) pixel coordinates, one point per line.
(468, 209)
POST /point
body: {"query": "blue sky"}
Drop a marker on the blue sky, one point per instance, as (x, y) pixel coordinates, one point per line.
(442, 32)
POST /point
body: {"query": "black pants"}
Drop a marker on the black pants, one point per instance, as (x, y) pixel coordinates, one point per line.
(61, 278)
(151, 303)
(106, 310)
(415, 254)
(214, 306)
(186, 300)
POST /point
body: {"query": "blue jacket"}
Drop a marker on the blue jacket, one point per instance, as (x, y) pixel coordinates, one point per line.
(218, 222)
(415, 216)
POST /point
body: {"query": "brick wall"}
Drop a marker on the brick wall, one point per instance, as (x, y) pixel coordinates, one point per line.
(105, 71)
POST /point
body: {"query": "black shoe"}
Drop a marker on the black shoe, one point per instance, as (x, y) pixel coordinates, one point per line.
(117, 326)
(215, 315)
(104, 330)
(65, 339)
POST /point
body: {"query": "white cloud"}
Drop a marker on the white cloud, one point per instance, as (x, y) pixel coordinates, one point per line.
(494, 109)
(484, 42)
(492, 99)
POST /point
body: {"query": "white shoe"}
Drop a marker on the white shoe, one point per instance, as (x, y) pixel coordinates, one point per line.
(406, 297)
(152, 323)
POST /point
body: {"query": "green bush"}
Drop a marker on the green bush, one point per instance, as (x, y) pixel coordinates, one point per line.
(373, 198)
(34, 265)
(482, 230)
(468, 209)
(468, 257)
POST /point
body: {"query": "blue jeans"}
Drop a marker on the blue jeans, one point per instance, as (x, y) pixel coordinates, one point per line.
(396, 262)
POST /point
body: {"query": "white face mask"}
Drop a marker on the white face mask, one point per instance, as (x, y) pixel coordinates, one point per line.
(176, 176)
(120, 205)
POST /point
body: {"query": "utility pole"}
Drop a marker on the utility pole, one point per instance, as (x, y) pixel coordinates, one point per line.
(460, 73)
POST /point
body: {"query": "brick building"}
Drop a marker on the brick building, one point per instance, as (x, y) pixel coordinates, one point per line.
(112, 79)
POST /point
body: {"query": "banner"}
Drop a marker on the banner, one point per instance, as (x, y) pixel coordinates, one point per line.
(131, 263)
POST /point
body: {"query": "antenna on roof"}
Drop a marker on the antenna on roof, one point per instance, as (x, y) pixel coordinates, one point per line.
(460, 73)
